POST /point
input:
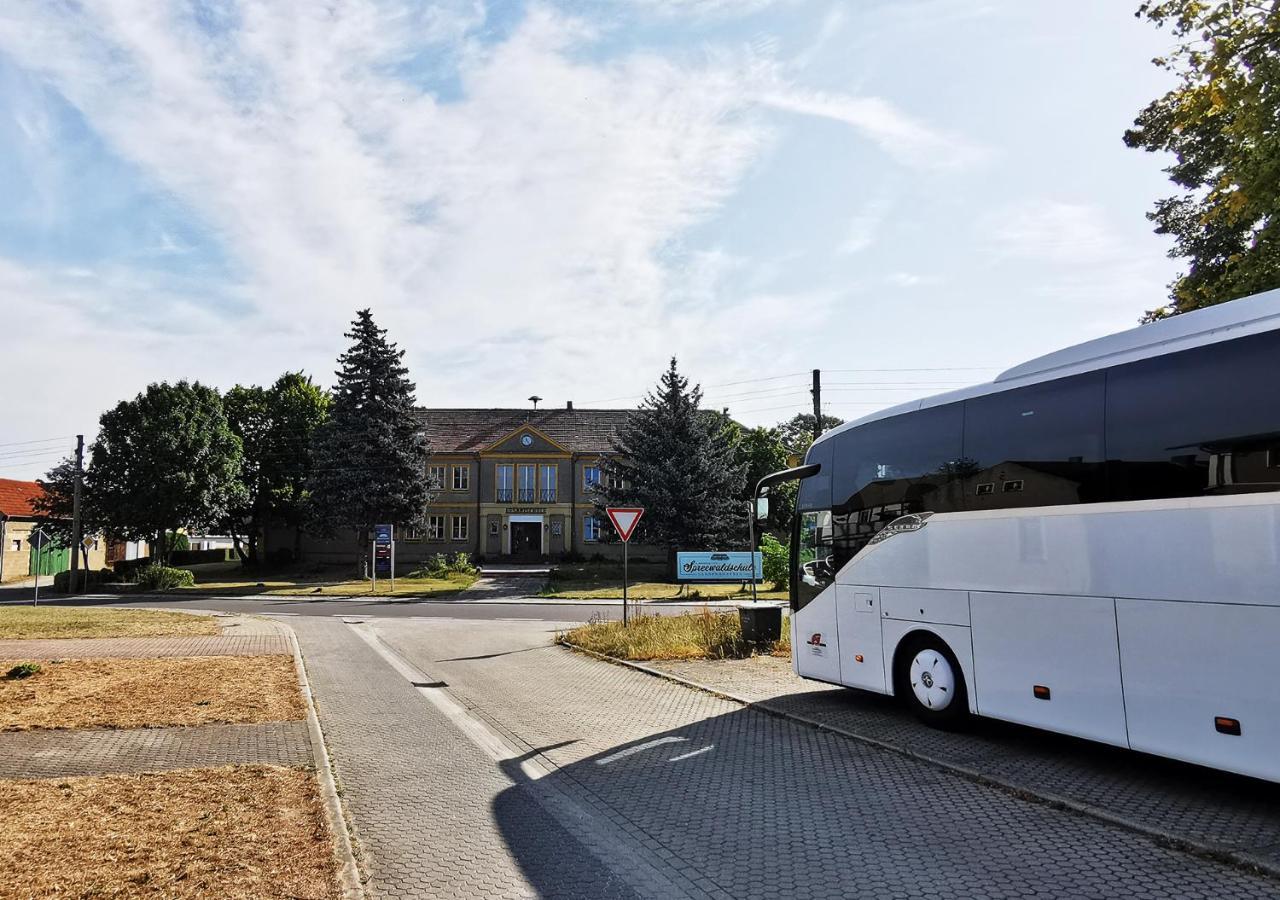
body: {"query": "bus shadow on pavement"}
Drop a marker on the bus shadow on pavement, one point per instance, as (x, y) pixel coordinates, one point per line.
(756, 805)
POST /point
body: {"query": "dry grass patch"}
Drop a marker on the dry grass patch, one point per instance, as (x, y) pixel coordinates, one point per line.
(697, 635)
(242, 831)
(139, 693)
(32, 622)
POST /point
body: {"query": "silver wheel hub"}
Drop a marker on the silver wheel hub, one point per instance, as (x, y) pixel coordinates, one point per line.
(933, 681)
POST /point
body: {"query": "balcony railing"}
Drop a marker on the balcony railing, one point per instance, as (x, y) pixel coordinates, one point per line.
(525, 495)
(505, 495)
(547, 495)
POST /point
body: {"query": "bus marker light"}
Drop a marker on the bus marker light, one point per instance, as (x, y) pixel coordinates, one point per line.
(1041, 692)
(1226, 725)
(857, 657)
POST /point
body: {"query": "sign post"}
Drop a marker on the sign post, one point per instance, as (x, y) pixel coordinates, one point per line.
(38, 540)
(384, 555)
(625, 519)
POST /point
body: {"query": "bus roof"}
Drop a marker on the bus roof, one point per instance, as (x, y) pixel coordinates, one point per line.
(1248, 315)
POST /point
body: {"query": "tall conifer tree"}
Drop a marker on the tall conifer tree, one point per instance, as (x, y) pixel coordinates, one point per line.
(678, 462)
(370, 458)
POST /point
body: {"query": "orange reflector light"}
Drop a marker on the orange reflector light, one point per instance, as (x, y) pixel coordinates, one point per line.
(858, 658)
(1041, 692)
(1225, 725)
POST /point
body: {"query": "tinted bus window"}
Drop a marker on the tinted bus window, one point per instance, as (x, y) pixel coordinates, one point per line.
(1036, 446)
(885, 469)
(1202, 421)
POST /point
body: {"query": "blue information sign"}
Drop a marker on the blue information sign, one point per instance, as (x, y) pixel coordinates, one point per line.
(734, 566)
(382, 534)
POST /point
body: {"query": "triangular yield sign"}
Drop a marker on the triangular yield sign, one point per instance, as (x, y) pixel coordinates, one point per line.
(624, 519)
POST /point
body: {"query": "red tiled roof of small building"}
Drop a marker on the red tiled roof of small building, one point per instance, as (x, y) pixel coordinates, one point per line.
(16, 498)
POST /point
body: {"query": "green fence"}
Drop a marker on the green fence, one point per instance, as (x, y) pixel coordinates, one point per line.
(50, 560)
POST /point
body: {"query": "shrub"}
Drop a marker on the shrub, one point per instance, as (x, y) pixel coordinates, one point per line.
(695, 635)
(461, 565)
(87, 580)
(23, 670)
(163, 578)
(775, 558)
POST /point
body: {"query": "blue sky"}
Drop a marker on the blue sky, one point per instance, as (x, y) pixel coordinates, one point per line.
(553, 198)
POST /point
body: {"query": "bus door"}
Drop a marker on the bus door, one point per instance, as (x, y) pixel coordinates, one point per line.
(815, 642)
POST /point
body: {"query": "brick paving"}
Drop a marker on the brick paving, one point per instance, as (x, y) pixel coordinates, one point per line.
(1227, 812)
(744, 804)
(105, 751)
(146, 647)
(432, 815)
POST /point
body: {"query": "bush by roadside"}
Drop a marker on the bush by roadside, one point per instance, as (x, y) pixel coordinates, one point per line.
(441, 566)
(696, 635)
(164, 578)
(90, 580)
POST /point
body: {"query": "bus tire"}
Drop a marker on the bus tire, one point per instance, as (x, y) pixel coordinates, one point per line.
(931, 682)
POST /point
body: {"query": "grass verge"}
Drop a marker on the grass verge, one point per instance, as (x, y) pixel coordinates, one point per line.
(140, 693)
(697, 635)
(243, 831)
(32, 622)
(603, 581)
(231, 579)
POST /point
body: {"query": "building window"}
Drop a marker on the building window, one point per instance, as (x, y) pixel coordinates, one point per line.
(613, 481)
(435, 528)
(506, 475)
(590, 528)
(462, 478)
(459, 529)
(17, 545)
(590, 477)
(493, 529)
(547, 489)
(412, 533)
(526, 484)
(435, 477)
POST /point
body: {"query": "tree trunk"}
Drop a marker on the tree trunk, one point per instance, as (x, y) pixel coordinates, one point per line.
(235, 542)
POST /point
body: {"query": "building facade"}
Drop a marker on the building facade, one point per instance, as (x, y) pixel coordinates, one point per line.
(514, 484)
(18, 559)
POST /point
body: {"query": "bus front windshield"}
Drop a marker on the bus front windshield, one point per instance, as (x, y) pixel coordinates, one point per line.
(813, 563)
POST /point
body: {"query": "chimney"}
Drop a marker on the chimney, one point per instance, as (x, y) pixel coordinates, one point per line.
(568, 404)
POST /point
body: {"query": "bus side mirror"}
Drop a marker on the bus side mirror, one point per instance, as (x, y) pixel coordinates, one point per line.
(762, 508)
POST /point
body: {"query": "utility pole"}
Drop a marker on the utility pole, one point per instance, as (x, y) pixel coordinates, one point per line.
(76, 525)
(817, 403)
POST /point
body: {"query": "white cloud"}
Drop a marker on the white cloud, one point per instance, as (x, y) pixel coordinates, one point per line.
(911, 279)
(509, 235)
(1054, 231)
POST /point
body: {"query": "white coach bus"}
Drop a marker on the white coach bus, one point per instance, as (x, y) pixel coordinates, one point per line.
(1088, 544)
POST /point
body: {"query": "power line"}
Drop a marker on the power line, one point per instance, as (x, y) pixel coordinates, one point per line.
(65, 437)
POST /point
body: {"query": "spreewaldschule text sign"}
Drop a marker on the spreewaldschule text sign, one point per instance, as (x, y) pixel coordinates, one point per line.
(735, 566)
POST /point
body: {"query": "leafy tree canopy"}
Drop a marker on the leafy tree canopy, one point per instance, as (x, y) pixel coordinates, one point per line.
(797, 432)
(678, 462)
(370, 458)
(56, 506)
(165, 461)
(1220, 123)
(761, 452)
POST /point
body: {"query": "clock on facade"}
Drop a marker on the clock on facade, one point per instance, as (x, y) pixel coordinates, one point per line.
(527, 440)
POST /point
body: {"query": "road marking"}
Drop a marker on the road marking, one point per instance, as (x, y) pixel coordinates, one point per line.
(705, 749)
(638, 748)
(493, 744)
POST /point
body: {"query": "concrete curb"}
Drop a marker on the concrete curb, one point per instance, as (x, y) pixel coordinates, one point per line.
(1238, 858)
(348, 871)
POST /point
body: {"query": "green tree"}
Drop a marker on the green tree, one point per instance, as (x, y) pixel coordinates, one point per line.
(249, 415)
(796, 433)
(164, 461)
(1220, 124)
(55, 506)
(369, 458)
(760, 452)
(298, 407)
(677, 461)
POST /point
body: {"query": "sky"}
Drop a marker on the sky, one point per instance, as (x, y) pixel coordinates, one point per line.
(554, 198)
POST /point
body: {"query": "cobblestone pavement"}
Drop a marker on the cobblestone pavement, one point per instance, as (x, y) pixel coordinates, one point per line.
(140, 647)
(432, 814)
(107, 751)
(735, 802)
(1205, 807)
(496, 587)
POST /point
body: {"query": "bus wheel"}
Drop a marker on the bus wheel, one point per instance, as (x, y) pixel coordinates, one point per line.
(932, 683)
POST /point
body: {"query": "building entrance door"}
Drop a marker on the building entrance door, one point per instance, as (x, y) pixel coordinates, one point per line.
(526, 540)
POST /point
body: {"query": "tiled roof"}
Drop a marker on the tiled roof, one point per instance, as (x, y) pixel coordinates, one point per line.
(16, 498)
(577, 430)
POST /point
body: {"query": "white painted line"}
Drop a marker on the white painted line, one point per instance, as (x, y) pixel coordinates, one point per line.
(705, 749)
(475, 730)
(638, 748)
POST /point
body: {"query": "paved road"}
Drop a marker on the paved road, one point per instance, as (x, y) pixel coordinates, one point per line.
(295, 606)
(516, 768)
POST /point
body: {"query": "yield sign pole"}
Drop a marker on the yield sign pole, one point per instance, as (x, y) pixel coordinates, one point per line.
(625, 519)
